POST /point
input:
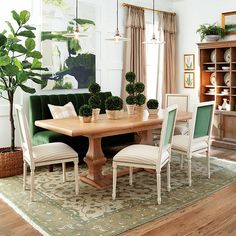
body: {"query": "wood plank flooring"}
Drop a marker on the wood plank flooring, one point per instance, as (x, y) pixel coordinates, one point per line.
(213, 215)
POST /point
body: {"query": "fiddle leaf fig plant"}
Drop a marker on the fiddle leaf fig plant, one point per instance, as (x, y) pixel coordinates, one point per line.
(19, 62)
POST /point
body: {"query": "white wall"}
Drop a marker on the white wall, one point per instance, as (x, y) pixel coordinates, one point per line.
(190, 14)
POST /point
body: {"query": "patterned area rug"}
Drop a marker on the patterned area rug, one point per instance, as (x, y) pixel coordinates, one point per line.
(57, 211)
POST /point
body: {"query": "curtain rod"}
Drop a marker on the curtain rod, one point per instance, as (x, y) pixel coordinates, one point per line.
(148, 9)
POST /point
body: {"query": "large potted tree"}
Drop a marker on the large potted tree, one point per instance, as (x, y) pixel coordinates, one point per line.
(19, 63)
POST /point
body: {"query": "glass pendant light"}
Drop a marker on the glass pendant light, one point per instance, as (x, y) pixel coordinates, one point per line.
(117, 37)
(76, 34)
(153, 40)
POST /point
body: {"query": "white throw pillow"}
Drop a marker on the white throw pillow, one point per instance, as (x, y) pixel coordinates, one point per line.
(59, 112)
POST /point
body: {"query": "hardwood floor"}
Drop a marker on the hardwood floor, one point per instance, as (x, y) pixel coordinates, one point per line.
(213, 215)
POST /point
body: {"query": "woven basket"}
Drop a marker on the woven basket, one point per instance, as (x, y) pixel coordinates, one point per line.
(11, 163)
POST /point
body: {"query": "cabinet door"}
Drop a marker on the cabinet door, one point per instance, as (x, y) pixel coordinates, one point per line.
(229, 128)
(216, 128)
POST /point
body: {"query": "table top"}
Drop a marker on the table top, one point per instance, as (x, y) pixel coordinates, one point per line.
(73, 126)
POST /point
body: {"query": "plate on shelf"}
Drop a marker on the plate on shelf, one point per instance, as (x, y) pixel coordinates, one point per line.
(227, 79)
(213, 56)
(227, 55)
(213, 78)
(225, 67)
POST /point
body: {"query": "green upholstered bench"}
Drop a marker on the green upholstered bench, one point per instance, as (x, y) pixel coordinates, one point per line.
(38, 110)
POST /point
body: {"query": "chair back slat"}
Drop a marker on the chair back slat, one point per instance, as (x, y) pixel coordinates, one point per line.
(24, 133)
(167, 130)
(182, 100)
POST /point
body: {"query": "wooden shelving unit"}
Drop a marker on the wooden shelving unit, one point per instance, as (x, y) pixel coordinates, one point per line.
(224, 128)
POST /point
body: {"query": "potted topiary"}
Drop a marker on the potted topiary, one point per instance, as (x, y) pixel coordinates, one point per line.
(130, 104)
(210, 32)
(140, 98)
(94, 100)
(19, 63)
(114, 106)
(85, 112)
(130, 100)
(152, 105)
(95, 103)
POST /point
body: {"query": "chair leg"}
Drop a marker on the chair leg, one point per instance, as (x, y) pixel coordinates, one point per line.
(168, 176)
(32, 185)
(114, 181)
(131, 176)
(64, 172)
(24, 175)
(189, 171)
(76, 177)
(182, 161)
(208, 164)
(158, 188)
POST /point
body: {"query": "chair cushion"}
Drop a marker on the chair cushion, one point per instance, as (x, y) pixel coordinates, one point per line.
(60, 112)
(140, 154)
(180, 143)
(52, 152)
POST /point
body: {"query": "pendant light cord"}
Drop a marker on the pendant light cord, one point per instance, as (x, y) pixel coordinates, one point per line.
(76, 13)
(117, 19)
(153, 15)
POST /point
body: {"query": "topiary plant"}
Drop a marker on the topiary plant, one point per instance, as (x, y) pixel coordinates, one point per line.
(130, 77)
(131, 100)
(140, 99)
(94, 88)
(114, 103)
(130, 89)
(85, 111)
(94, 102)
(139, 87)
(152, 104)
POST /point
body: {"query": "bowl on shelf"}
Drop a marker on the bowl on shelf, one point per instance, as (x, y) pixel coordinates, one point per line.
(225, 67)
(211, 68)
(212, 90)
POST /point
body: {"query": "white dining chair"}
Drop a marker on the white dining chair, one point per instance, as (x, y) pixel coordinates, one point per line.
(199, 138)
(182, 100)
(147, 156)
(42, 155)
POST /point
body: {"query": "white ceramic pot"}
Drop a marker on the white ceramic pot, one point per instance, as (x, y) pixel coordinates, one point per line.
(86, 119)
(130, 109)
(139, 110)
(114, 115)
(152, 112)
(96, 113)
(212, 38)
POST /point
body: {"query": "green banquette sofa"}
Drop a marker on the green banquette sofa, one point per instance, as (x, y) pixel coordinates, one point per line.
(38, 110)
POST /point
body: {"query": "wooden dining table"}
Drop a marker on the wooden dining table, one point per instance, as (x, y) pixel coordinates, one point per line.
(104, 127)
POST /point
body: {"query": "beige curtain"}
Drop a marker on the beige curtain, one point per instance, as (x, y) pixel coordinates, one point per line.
(135, 51)
(167, 24)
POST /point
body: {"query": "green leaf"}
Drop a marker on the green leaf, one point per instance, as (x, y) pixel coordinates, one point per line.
(26, 64)
(35, 54)
(5, 60)
(21, 77)
(27, 89)
(18, 63)
(24, 16)
(2, 87)
(18, 48)
(84, 22)
(16, 17)
(27, 34)
(38, 81)
(36, 63)
(28, 27)
(30, 44)
(40, 68)
(11, 70)
(10, 27)
(3, 40)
